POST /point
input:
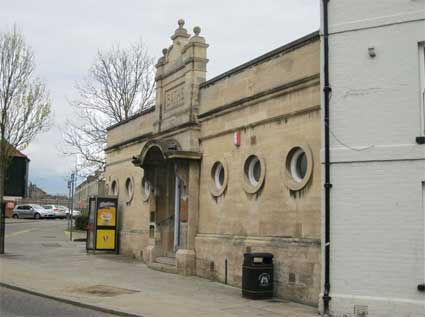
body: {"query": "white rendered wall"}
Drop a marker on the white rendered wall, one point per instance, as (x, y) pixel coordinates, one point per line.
(378, 170)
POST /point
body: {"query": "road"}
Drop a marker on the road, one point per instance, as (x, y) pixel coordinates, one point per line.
(19, 304)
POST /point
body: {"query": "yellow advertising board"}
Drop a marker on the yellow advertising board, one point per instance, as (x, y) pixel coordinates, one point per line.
(105, 239)
(102, 224)
(106, 216)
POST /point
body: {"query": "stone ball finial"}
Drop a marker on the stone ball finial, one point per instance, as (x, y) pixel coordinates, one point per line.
(164, 51)
(196, 30)
(180, 22)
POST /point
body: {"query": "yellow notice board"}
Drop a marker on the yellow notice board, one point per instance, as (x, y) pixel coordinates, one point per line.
(106, 216)
(105, 239)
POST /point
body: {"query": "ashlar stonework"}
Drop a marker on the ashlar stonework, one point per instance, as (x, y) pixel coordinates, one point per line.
(225, 166)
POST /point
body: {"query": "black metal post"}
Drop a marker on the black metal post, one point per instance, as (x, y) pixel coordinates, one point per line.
(225, 271)
(2, 226)
(327, 185)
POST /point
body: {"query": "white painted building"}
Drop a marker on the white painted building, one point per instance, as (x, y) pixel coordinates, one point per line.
(377, 164)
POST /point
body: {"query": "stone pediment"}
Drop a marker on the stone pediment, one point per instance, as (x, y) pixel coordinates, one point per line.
(180, 71)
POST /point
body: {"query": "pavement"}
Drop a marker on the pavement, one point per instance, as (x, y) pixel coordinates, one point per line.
(40, 259)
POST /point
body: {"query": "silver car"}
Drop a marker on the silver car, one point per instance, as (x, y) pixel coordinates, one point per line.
(75, 213)
(32, 211)
(57, 210)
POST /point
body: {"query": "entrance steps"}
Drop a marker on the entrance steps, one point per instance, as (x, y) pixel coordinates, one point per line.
(164, 264)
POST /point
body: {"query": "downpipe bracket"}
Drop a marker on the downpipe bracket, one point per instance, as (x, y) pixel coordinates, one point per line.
(327, 89)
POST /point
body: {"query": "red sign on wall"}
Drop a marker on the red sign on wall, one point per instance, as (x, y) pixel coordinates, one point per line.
(237, 138)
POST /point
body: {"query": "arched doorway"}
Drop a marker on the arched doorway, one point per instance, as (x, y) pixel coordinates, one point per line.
(167, 167)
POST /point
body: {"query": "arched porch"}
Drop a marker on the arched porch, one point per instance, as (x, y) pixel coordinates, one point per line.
(172, 175)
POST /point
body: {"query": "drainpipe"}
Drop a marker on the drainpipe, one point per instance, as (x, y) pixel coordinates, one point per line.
(327, 185)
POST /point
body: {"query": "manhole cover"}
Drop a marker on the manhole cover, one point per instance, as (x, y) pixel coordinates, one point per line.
(51, 245)
(103, 290)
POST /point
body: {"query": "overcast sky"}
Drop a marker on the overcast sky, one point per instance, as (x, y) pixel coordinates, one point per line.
(65, 36)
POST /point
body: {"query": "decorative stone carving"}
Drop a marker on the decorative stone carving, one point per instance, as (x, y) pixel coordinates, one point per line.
(174, 97)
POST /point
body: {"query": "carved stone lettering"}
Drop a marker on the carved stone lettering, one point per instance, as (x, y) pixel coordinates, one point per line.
(174, 97)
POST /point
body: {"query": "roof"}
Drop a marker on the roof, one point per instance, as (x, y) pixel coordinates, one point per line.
(15, 152)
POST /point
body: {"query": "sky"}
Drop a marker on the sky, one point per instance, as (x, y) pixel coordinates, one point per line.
(66, 35)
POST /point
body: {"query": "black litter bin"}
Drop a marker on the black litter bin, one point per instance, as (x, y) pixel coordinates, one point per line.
(257, 275)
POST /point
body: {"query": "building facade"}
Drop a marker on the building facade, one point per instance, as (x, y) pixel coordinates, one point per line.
(377, 156)
(93, 185)
(226, 166)
(16, 180)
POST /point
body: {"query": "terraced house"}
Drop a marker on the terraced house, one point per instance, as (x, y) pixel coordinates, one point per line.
(223, 166)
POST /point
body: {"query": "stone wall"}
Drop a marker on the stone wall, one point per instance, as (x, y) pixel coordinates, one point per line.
(133, 212)
(275, 106)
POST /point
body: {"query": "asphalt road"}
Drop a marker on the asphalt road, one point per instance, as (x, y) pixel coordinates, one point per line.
(20, 304)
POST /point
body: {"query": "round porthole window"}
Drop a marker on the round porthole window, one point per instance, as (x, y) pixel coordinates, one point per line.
(219, 178)
(218, 171)
(147, 188)
(129, 188)
(299, 167)
(114, 188)
(254, 173)
(254, 170)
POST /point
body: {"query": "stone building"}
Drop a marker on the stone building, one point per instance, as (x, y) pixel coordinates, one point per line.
(35, 192)
(377, 157)
(93, 185)
(225, 166)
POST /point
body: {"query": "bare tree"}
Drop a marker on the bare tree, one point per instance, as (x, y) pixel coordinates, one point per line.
(120, 83)
(24, 102)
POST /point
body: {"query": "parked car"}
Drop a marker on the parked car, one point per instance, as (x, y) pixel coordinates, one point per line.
(32, 211)
(64, 209)
(59, 212)
(75, 213)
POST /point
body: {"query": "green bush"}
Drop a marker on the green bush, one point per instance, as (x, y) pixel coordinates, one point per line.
(81, 222)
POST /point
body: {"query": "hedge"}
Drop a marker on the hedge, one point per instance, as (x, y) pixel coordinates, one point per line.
(81, 222)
